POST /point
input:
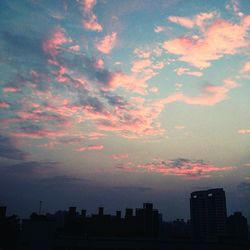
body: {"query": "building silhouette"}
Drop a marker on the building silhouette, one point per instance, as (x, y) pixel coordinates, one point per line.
(237, 227)
(135, 229)
(208, 214)
(9, 230)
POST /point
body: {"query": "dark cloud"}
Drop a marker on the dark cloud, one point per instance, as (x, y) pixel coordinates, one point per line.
(180, 162)
(133, 188)
(94, 102)
(201, 188)
(22, 45)
(115, 100)
(31, 167)
(86, 66)
(63, 180)
(75, 140)
(8, 149)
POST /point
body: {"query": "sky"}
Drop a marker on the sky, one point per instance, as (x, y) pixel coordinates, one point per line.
(115, 103)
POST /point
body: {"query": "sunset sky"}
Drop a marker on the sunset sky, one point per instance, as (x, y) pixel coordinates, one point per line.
(120, 102)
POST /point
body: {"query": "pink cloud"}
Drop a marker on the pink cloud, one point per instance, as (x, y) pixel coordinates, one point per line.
(75, 48)
(198, 20)
(159, 65)
(195, 73)
(53, 44)
(234, 5)
(159, 29)
(246, 165)
(49, 145)
(142, 70)
(133, 122)
(95, 135)
(154, 90)
(11, 90)
(90, 22)
(119, 156)
(142, 53)
(125, 167)
(180, 127)
(99, 63)
(201, 18)
(177, 167)
(106, 44)
(183, 167)
(130, 82)
(244, 131)
(140, 65)
(200, 51)
(182, 71)
(246, 67)
(211, 95)
(4, 105)
(90, 147)
(88, 5)
(39, 134)
(183, 21)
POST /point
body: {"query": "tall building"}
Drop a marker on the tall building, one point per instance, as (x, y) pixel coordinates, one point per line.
(208, 213)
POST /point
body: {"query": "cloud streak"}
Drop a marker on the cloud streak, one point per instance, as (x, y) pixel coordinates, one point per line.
(211, 95)
(91, 148)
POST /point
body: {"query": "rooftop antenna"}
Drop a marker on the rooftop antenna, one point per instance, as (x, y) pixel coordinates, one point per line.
(40, 207)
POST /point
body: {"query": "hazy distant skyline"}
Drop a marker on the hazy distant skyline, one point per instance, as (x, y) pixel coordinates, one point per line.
(117, 103)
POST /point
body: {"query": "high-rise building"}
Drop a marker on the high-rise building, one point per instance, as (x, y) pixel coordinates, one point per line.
(208, 213)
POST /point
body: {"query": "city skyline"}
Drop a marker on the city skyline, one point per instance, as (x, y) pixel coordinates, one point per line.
(140, 228)
(120, 102)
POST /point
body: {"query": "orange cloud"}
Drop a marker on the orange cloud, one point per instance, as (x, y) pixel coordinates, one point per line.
(106, 44)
